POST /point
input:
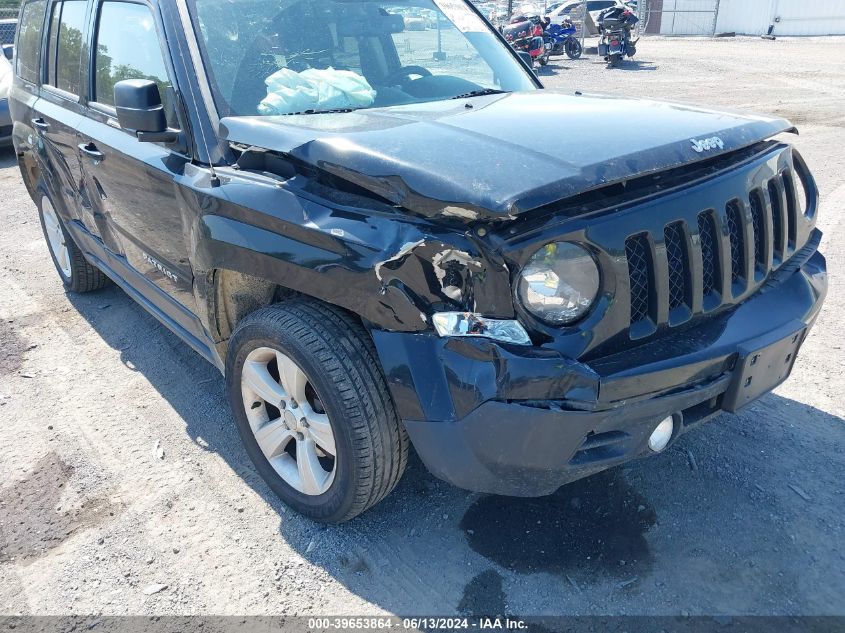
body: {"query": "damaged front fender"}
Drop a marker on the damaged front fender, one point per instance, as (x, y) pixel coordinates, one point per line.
(391, 270)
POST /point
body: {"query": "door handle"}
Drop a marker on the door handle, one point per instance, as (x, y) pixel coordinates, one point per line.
(40, 124)
(90, 150)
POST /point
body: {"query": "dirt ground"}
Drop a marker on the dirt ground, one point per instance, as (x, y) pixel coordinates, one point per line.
(744, 516)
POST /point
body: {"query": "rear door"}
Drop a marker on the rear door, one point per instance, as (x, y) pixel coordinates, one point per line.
(58, 112)
(133, 183)
(23, 95)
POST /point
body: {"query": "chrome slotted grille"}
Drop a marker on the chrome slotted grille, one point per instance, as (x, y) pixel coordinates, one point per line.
(707, 262)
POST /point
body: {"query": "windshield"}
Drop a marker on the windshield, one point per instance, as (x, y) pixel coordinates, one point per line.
(271, 57)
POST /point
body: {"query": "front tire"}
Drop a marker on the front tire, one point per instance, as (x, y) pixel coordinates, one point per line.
(76, 273)
(573, 49)
(313, 409)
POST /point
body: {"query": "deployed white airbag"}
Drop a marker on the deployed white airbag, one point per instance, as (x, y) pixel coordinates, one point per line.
(315, 89)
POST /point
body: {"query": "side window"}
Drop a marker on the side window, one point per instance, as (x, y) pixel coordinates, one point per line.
(67, 24)
(439, 48)
(128, 48)
(29, 40)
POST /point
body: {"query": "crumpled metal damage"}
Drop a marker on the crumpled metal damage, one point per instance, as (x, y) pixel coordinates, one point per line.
(384, 211)
(442, 160)
(457, 279)
(391, 269)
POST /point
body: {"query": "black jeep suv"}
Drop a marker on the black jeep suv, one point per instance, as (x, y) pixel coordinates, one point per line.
(352, 221)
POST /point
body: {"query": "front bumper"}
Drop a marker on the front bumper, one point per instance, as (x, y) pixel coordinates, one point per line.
(524, 421)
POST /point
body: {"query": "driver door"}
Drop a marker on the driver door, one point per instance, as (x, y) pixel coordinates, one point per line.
(133, 184)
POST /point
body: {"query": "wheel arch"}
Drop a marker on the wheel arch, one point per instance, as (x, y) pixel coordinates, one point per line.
(388, 274)
(244, 267)
(40, 180)
(31, 173)
(235, 295)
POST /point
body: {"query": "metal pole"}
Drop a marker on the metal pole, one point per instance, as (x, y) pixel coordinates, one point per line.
(642, 11)
(639, 14)
(439, 55)
(583, 22)
(716, 18)
(674, 12)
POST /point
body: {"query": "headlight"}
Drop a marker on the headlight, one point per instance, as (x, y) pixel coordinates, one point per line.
(559, 283)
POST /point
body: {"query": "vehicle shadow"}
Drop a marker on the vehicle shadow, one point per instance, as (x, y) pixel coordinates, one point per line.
(555, 65)
(550, 70)
(682, 528)
(7, 157)
(631, 65)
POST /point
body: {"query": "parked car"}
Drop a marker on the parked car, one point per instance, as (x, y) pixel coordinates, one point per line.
(573, 9)
(5, 116)
(404, 260)
(415, 22)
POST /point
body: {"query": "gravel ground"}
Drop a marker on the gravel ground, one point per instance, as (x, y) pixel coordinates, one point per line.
(743, 516)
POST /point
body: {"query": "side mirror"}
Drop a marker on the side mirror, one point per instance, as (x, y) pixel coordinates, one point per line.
(139, 110)
(8, 51)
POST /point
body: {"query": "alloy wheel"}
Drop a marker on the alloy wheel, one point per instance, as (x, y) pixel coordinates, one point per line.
(288, 421)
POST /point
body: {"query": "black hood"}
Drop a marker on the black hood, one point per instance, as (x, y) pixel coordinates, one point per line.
(499, 156)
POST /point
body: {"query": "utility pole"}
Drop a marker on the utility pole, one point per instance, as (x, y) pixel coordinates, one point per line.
(510, 9)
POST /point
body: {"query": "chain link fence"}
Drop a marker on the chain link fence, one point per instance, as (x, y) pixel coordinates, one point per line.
(8, 25)
(580, 19)
(9, 9)
(678, 17)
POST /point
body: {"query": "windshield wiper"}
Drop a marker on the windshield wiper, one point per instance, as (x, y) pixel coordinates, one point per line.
(480, 93)
(332, 111)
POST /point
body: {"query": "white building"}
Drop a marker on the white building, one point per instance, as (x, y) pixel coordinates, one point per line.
(748, 17)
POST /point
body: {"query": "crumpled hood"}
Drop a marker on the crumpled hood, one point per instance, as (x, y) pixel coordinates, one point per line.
(506, 154)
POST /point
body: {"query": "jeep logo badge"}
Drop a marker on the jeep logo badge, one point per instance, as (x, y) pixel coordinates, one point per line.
(702, 145)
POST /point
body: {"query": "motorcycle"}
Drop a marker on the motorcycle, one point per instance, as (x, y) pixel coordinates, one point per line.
(563, 40)
(526, 35)
(615, 25)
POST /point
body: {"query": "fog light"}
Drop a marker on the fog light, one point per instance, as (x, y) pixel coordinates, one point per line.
(661, 435)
